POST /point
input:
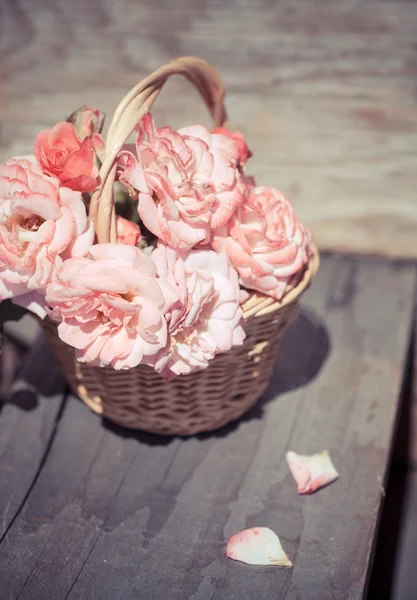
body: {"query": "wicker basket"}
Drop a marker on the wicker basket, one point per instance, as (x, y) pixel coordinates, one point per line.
(140, 398)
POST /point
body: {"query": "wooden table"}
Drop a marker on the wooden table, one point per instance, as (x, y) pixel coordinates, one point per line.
(90, 511)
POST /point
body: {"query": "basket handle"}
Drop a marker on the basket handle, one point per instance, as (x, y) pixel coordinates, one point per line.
(129, 113)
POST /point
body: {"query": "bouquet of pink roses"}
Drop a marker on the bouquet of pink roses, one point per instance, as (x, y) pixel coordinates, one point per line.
(192, 236)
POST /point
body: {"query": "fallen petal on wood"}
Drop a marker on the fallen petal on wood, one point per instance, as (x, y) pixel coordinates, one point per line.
(311, 472)
(257, 546)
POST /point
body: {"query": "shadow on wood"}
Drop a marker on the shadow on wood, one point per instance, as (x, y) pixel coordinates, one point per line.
(300, 359)
(11, 357)
(33, 382)
(302, 355)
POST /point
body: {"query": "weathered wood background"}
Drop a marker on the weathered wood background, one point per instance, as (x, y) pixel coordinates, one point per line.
(324, 91)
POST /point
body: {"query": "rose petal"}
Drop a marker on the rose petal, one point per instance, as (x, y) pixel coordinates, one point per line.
(257, 546)
(311, 472)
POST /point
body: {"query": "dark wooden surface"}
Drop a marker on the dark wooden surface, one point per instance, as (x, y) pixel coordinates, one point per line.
(324, 90)
(394, 574)
(112, 515)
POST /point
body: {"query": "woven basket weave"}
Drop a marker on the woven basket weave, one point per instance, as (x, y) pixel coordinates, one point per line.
(140, 398)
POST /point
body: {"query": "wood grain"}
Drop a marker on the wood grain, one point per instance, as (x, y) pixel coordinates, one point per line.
(115, 515)
(324, 91)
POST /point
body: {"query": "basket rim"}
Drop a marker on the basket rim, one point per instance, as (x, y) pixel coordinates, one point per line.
(258, 304)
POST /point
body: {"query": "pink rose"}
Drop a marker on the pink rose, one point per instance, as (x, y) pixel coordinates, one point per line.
(187, 181)
(40, 223)
(63, 155)
(205, 320)
(127, 232)
(110, 306)
(265, 241)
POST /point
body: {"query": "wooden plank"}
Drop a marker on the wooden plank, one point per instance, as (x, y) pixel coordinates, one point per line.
(393, 573)
(324, 91)
(405, 583)
(27, 424)
(114, 515)
(413, 419)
